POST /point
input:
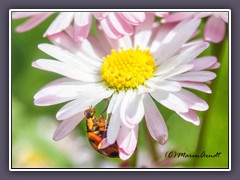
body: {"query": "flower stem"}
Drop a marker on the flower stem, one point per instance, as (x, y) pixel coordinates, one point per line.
(218, 51)
(133, 160)
(151, 145)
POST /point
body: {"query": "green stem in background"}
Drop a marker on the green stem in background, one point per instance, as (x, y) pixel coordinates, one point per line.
(218, 51)
(151, 144)
(133, 160)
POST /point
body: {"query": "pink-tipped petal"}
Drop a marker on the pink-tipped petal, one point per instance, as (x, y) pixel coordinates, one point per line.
(215, 66)
(64, 41)
(214, 30)
(197, 86)
(202, 14)
(81, 32)
(82, 18)
(123, 155)
(100, 15)
(134, 18)
(191, 116)
(192, 100)
(178, 16)
(155, 122)
(120, 25)
(109, 29)
(20, 15)
(203, 63)
(67, 126)
(32, 22)
(195, 76)
(63, 20)
(127, 139)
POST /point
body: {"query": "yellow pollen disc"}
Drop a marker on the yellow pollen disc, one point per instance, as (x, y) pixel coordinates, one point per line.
(127, 69)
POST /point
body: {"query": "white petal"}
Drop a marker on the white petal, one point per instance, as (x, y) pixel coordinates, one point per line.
(88, 50)
(195, 76)
(113, 128)
(184, 56)
(79, 105)
(192, 100)
(69, 58)
(170, 100)
(190, 116)
(155, 122)
(111, 103)
(135, 110)
(63, 20)
(115, 120)
(143, 32)
(64, 41)
(165, 85)
(65, 70)
(62, 90)
(129, 94)
(67, 126)
(197, 86)
(161, 33)
(125, 42)
(175, 39)
(203, 63)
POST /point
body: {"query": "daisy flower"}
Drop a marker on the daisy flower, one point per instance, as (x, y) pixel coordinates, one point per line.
(115, 24)
(214, 29)
(154, 63)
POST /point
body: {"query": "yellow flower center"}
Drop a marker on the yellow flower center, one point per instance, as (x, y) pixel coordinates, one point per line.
(127, 69)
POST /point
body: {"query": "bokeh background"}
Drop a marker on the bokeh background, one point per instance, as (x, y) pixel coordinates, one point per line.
(33, 126)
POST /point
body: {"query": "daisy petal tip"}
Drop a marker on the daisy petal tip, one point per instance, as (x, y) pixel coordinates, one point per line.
(163, 139)
(35, 64)
(197, 123)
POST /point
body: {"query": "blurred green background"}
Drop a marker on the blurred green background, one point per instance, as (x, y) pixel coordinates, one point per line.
(33, 126)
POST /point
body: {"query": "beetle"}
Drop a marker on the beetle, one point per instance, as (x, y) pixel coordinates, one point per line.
(97, 131)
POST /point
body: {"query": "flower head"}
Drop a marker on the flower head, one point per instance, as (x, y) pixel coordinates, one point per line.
(155, 63)
(214, 30)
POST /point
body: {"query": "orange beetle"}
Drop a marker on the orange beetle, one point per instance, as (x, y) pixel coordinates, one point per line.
(97, 131)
